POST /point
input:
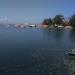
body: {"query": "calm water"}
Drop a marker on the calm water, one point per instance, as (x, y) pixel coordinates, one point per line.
(36, 51)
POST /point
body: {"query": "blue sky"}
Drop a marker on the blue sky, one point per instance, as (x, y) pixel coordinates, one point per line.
(34, 11)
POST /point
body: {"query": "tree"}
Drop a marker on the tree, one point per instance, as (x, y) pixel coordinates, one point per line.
(58, 19)
(66, 23)
(72, 20)
(47, 22)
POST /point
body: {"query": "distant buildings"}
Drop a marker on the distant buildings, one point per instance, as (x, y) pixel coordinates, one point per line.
(25, 25)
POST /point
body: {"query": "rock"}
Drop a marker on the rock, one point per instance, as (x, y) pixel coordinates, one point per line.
(45, 26)
(68, 27)
(51, 27)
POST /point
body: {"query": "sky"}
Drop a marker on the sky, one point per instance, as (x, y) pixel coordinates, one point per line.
(34, 11)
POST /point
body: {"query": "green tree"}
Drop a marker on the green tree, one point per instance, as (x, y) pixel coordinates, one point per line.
(58, 19)
(72, 21)
(47, 22)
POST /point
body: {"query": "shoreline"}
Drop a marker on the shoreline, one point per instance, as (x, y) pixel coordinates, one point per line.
(23, 26)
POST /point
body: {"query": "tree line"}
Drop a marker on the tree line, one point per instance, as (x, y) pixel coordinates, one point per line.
(59, 20)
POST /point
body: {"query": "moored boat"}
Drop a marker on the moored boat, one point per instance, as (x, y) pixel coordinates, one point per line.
(72, 52)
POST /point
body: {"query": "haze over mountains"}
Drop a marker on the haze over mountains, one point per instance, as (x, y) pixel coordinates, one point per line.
(5, 20)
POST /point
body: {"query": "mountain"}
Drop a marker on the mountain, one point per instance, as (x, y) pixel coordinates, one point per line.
(5, 20)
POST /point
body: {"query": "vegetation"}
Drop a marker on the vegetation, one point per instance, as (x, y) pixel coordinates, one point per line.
(47, 22)
(72, 20)
(60, 20)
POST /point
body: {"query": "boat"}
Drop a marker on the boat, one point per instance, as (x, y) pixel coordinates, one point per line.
(72, 52)
(32, 25)
(22, 26)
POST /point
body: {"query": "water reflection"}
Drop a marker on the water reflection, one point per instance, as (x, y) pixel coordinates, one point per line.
(35, 51)
(55, 34)
(70, 65)
(72, 35)
(58, 35)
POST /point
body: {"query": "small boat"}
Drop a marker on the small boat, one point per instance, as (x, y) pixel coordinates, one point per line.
(22, 26)
(32, 25)
(72, 52)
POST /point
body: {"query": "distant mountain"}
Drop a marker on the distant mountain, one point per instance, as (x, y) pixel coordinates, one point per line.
(5, 20)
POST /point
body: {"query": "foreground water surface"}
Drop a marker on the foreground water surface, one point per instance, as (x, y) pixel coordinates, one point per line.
(36, 51)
